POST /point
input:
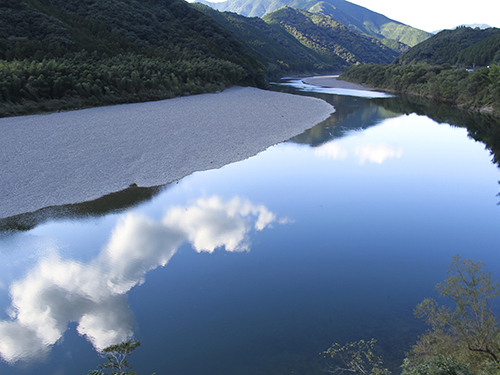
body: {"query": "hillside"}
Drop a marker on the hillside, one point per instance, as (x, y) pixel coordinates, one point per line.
(459, 46)
(353, 16)
(289, 40)
(280, 52)
(328, 37)
(58, 54)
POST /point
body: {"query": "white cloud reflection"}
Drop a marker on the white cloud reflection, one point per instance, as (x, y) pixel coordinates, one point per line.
(377, 153)
(57, 291)
(373, 153)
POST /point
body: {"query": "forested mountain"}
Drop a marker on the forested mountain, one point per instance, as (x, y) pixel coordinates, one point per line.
(329, 37)
(58, 54)
(280, 52)
(351, 15)
(291, 40)
(463, 45)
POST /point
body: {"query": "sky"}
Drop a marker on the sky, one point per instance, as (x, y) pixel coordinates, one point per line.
(434, 15)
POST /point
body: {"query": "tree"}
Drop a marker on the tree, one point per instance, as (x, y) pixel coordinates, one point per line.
(356, 357)
(468, 331)
(117, 359)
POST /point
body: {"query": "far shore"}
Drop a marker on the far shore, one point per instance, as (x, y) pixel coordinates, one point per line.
(77, 156)
(333, 82)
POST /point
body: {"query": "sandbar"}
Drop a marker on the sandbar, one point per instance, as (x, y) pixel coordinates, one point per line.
(333, 82)
(78, 156)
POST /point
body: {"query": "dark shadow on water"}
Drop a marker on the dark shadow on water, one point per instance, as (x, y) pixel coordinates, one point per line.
(111, 203)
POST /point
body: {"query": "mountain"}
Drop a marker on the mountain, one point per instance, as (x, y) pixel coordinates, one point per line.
(463, 45)
(329, 37)
(289, 40)
(60, 54)
(353, 16)
(279, 51)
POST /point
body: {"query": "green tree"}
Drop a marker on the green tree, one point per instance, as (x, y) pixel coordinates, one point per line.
(117, 359)
(357, 357)
(468, 331)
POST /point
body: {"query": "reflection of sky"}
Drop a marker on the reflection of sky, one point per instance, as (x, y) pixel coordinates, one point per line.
(305, 87)
(368, 243)
(57, 291)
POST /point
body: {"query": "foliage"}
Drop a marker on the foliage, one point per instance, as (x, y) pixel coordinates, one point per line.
(357, 357)
(355, 17)
(439, 365)
(61, 54)
(468, 333)
(330, 38)
(479, 89)
(281, 53)
(117, 363)
(454, 47)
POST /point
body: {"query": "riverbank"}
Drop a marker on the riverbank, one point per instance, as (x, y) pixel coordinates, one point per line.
(77, 156)
(334, 82)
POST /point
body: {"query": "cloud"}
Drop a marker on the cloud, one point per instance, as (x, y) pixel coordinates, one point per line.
(57, 291)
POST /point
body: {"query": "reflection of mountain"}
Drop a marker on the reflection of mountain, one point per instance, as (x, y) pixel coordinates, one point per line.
(480, 127)
(351, 114)
(114, 202)
(58, 291)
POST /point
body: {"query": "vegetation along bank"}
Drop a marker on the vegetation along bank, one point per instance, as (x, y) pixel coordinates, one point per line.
(459, 66)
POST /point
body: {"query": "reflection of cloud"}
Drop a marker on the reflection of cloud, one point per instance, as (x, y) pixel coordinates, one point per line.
(331, 150)
(377, 153)
(58, 291)
(213, 223)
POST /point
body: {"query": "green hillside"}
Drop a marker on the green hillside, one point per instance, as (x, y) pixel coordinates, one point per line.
(353, 16)
(461, 45)
(280, 52)
(482, 53)
(330, 38)
(289, 41)
(57, 54)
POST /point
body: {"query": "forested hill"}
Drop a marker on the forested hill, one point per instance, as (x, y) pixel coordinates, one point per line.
(57, 54)
(329, 37)
(463, 45)
(290, 41)
(353, 16)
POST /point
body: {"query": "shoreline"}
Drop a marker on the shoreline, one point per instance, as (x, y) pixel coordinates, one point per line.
(332, 82)
(79, 156)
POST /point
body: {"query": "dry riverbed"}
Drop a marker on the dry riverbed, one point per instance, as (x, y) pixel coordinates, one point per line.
(72, 157)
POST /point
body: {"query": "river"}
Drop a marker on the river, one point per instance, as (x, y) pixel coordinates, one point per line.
(259, 266)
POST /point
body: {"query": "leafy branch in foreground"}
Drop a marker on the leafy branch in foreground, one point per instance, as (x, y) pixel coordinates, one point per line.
(117, 359)
(356, 357)
(469, 332)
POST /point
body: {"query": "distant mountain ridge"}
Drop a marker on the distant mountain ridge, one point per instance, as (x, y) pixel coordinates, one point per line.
(355, 17)
(294, 41)
(463, 45)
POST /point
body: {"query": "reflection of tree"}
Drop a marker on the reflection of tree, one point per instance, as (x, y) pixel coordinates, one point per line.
(114, 202)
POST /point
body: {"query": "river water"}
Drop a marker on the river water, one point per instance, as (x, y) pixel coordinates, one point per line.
(259, 266)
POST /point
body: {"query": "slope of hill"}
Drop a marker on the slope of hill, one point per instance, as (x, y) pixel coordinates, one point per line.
(328, 37)
(482, 53)
(351, 15)
(280, 52)
(447, 46)
(59, 54)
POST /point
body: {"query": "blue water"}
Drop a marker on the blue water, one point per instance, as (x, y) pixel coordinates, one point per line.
(259, 266)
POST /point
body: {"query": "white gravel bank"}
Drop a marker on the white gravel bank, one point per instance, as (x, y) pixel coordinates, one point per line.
(77, 156)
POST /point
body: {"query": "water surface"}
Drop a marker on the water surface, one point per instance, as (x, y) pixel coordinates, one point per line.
(258, 266)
